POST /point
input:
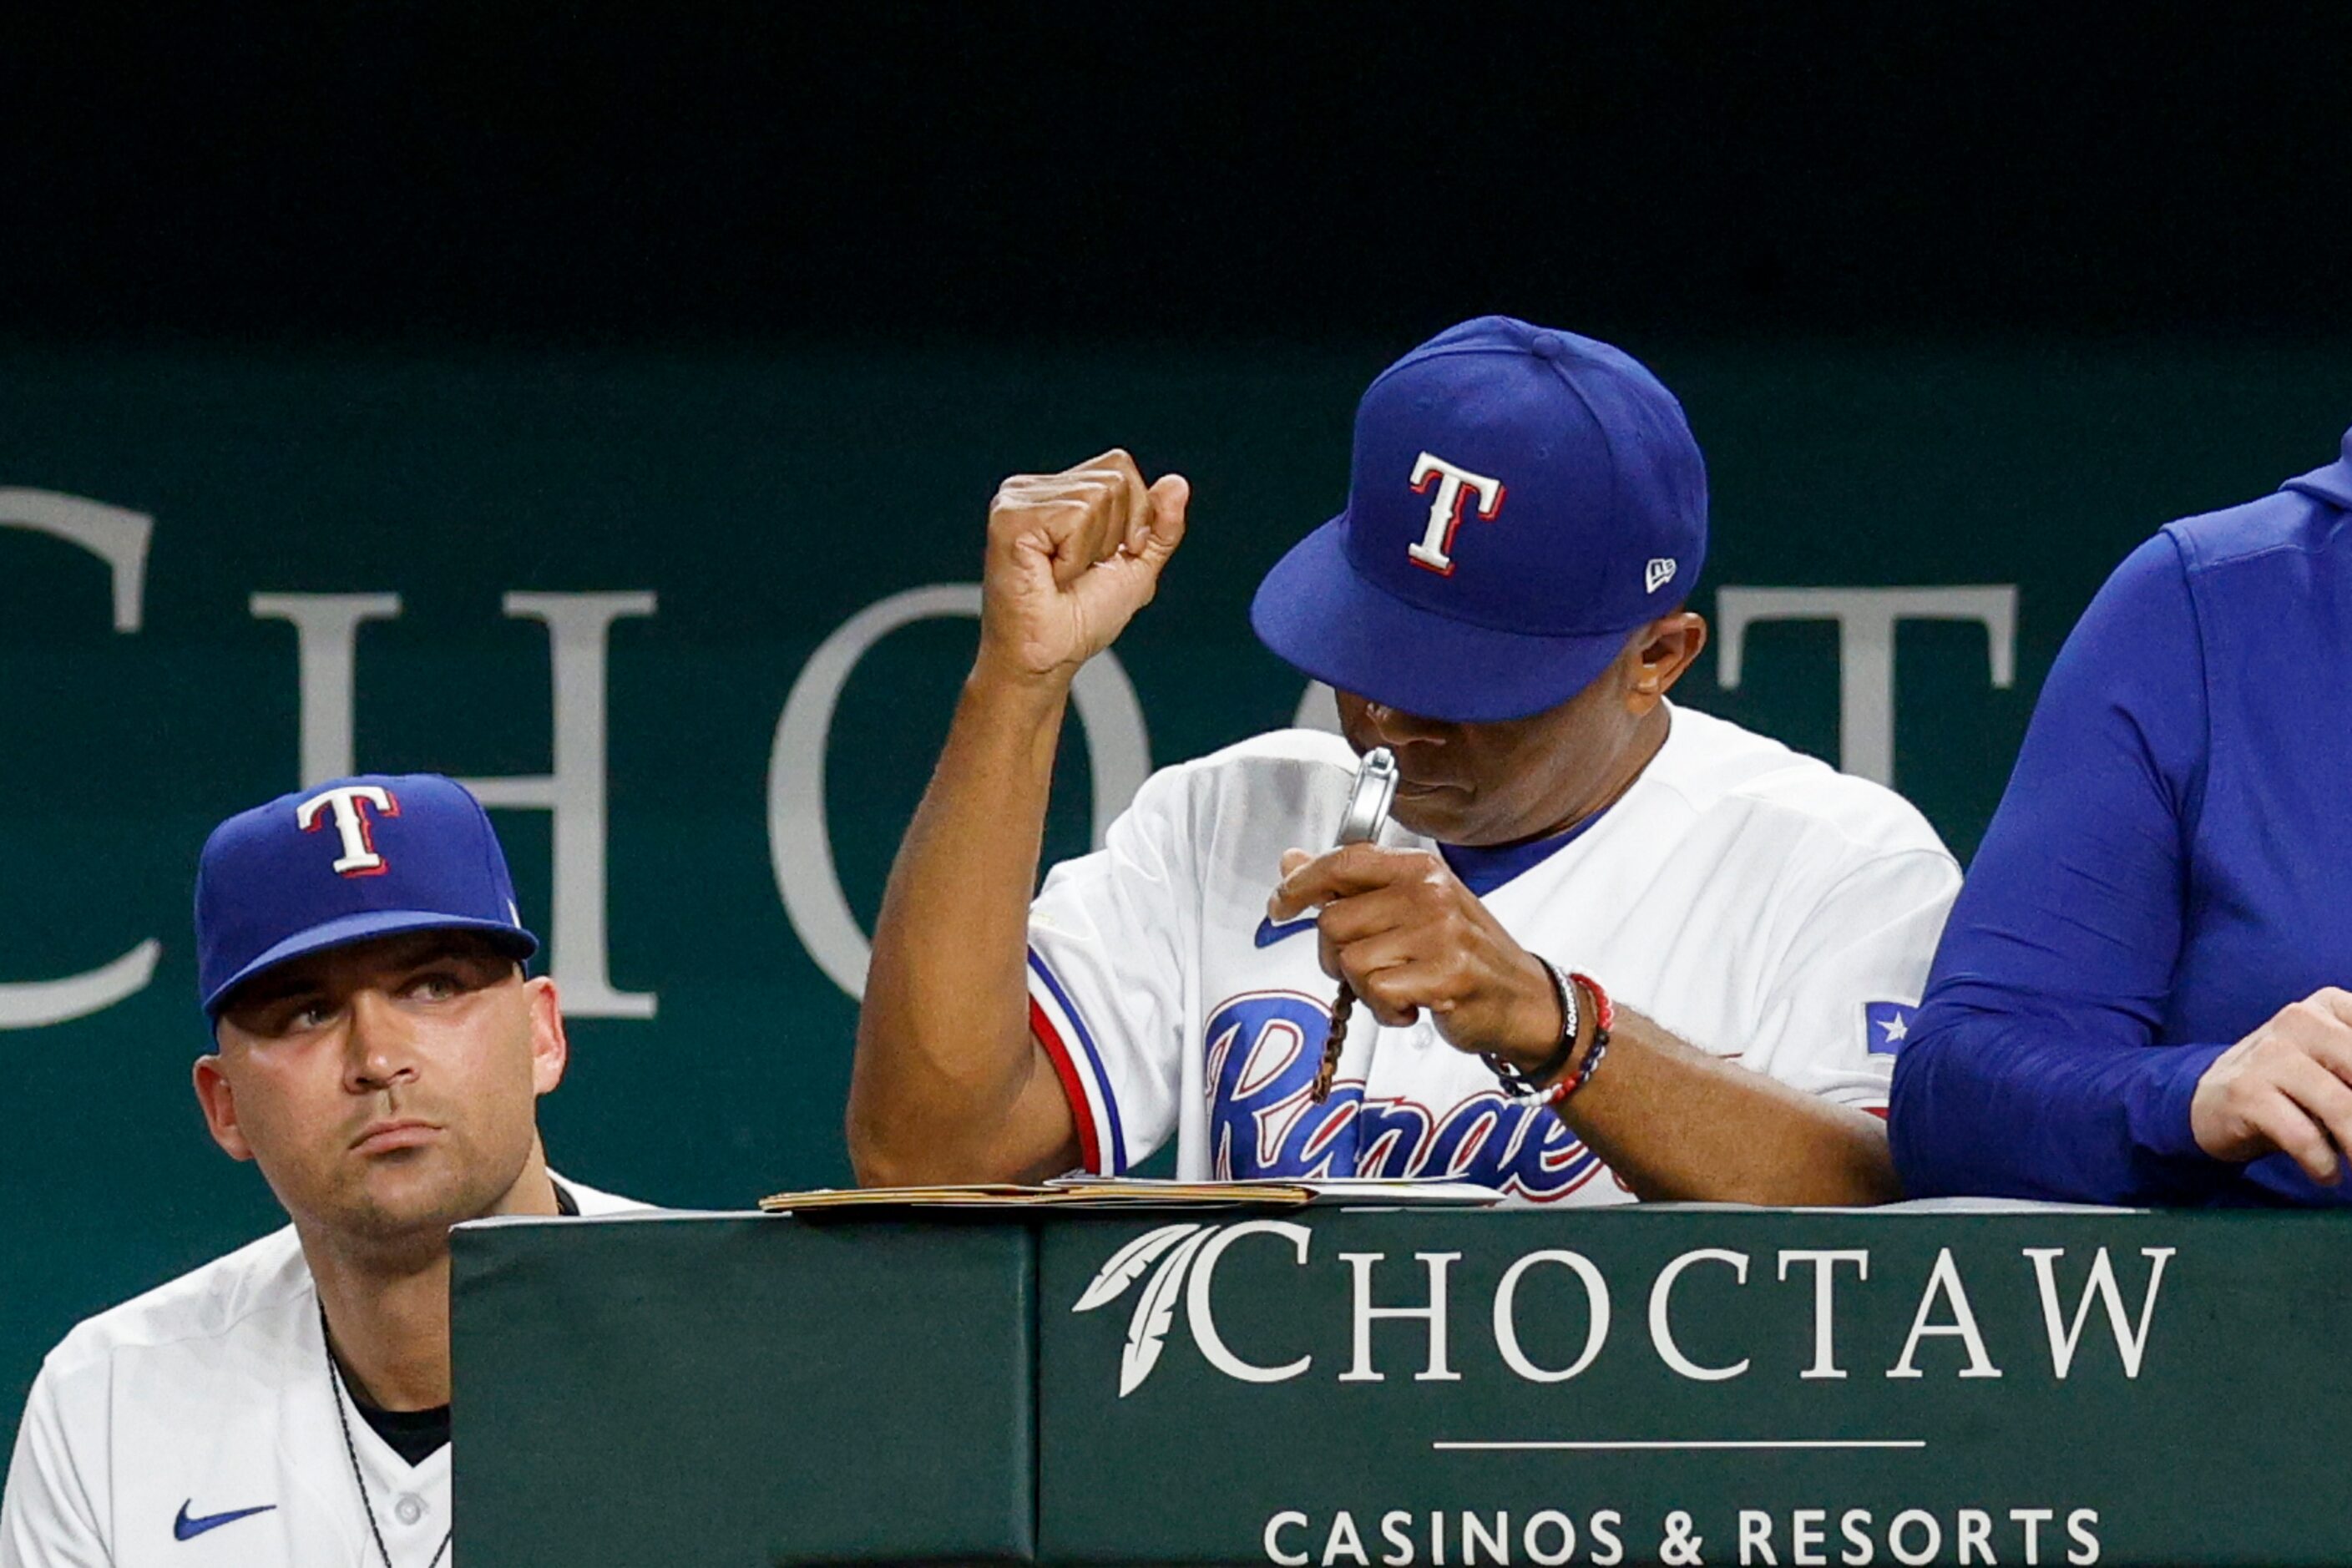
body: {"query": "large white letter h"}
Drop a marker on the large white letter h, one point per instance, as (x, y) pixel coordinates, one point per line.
(326, 626)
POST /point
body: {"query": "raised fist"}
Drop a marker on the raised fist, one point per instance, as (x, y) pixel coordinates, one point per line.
(1071, 557)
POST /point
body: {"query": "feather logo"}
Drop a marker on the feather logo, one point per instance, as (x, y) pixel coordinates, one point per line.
(1171, 1248)
(1177, 1262)
(1146, 1332)
(1127, 1264)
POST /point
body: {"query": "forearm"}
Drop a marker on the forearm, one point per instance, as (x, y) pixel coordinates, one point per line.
(2009, 1105)
(1679, 1124)
(944, 1060)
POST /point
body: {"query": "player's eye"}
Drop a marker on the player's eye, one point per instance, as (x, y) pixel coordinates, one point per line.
(436, 986)
(313, 1013)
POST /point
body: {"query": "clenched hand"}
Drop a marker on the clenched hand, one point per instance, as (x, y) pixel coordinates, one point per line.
(1071, 558)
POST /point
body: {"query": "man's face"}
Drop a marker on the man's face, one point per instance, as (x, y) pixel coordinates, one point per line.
(1515, 779)
(387, 1090)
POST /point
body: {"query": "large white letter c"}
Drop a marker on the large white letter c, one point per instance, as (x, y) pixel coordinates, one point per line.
(120, 539)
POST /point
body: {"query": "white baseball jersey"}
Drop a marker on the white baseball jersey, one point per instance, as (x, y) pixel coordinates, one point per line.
(1759, 904)
(195, 1427)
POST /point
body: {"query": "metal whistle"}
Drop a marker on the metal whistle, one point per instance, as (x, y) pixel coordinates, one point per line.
(1367, 813)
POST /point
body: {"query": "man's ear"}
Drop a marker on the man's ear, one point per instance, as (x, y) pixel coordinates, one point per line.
(219, 1103)
(1669, 647)
(550, 1050)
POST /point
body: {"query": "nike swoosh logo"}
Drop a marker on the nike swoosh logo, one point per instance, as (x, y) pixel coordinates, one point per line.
(186, 1529)
(1269, 933)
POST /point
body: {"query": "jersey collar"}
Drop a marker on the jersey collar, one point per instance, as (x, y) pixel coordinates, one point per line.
(1483, 870)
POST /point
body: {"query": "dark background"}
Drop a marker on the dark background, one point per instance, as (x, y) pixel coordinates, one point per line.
(770, 175)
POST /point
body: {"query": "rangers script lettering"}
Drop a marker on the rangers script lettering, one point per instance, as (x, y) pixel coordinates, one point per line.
(1263, 1052)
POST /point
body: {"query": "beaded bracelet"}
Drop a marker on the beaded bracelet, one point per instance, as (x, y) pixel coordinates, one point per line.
(1531, 1087)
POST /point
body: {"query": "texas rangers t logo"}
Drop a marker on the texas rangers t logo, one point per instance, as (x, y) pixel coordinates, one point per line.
(1434, 549)
(359, 858)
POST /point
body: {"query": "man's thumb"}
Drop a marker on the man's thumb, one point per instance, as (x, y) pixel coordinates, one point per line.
(1172, 498)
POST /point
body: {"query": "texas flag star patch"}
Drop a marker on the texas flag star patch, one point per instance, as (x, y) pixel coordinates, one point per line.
(1886, 1025)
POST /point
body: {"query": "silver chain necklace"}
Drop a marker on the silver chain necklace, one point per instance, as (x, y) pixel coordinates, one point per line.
(352, 1452)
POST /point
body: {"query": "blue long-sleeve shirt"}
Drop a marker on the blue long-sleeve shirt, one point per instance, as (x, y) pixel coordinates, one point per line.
(2171, 865)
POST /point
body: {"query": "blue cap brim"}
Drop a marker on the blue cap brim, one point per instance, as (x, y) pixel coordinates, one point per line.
(1315, 612)
(352, 928)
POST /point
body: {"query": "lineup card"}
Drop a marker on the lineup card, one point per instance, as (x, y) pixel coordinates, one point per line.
(1140, 1193)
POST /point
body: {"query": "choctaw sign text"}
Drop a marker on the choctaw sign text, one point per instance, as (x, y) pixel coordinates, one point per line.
(1681, 1385)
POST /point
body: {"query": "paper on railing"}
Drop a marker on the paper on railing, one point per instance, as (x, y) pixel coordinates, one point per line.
(1122, 1190)
(1134, 1192)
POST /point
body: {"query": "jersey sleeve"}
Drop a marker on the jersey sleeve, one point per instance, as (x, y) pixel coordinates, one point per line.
(2033, 1073)
(47, 1518)
(1114, 940)
(1840, 1002)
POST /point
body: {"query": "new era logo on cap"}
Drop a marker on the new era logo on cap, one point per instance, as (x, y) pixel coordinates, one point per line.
(1518, 502)
(347, 861)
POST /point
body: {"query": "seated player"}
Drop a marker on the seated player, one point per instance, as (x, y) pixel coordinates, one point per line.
(380, 1055)
(2141, 999)
(1501, 605)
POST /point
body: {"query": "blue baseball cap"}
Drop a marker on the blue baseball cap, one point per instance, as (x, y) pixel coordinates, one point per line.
(343, 862)
(1520, 500)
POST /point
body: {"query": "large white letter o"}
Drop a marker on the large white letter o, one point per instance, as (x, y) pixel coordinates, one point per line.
(1507, 1327)
(800, 845)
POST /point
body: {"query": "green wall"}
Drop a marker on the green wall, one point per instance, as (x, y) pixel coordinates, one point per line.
(765, 501)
